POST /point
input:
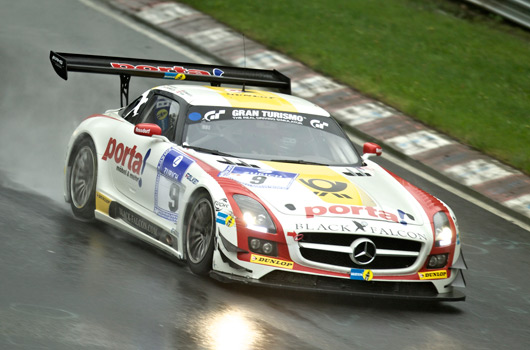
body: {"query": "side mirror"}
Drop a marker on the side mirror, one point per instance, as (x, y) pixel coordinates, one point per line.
(370, 149)
(147, 129)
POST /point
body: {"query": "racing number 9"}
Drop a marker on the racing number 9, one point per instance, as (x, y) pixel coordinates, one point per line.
(258, 180)
(174, 196)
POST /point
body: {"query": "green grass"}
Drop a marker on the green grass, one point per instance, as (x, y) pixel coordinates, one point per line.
(462, 73)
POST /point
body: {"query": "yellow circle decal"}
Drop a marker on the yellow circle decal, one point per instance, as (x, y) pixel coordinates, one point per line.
(161, 114)
(230, 221)
(368, 275)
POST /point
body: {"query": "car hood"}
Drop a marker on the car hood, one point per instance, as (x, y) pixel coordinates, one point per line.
(368, 193)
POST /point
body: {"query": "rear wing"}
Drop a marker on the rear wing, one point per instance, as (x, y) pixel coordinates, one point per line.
(216, 75)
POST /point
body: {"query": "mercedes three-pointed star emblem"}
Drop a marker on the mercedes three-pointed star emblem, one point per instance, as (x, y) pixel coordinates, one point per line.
(363, 251)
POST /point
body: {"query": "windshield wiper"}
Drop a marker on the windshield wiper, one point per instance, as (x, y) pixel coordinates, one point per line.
(207, 150)
(297, 161)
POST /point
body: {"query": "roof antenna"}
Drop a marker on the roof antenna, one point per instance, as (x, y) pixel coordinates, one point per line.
(244, 59)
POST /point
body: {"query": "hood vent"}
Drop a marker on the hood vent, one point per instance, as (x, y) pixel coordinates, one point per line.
(238, 162)
(356, 172)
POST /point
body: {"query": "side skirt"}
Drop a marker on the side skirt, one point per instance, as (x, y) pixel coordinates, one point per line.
(123, 219)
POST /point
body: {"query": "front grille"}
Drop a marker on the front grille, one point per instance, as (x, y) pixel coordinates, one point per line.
(345, 240)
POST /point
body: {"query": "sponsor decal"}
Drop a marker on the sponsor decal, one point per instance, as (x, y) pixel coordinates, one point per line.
(324, 227)
(328, 185)
(359, 228)
(161, 114)
(128, 162)
(254, 114)
(433, 275)
(221, 204)
(176, 76)
(259, 178)
(138, 222)
(213, 115)
(191, 178)
(264, 260)
(398, 233)
(175, 69)
(337, 190)
(225, 219)
(317, 124)
(102, 203)
(57, 61)
(143, 131)
(173, 164)
(361, 275)
(319, 210)
(402, 215)
(352, 210)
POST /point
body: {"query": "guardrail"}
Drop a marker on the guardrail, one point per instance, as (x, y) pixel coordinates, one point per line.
(517, 11)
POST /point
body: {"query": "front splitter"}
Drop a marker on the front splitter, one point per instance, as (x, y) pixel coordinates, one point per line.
(310, 283)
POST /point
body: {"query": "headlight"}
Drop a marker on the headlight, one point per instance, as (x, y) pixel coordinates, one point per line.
(254, 214)
(442, 230)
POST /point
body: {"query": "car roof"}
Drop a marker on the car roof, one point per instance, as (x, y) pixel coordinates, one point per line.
(197, 95)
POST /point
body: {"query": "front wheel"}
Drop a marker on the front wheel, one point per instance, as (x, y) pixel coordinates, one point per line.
(82, 180)
(200, 235)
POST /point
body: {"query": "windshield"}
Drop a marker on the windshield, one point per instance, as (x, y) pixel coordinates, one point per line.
(268, 135)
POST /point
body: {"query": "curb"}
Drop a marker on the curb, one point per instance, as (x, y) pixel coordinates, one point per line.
(474, 173)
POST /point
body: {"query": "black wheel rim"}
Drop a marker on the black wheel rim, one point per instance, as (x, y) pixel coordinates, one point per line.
(200, 231)
(82, 177)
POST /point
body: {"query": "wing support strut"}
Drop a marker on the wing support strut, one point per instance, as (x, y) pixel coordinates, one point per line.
(124, 89)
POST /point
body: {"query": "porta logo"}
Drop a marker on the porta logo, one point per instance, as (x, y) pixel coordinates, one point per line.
(175, 69)
(125, 156)
(311, 212)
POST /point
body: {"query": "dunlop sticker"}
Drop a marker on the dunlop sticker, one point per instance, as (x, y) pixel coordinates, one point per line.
(433, 275)
(263, 260)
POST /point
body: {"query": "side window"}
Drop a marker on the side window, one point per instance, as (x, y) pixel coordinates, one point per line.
(130, 112)
(162, 111)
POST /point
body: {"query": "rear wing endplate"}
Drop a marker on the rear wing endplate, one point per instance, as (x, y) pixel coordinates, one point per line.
(127, 67)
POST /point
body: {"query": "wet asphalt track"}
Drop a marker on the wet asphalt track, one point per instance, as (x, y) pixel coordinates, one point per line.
(66, 284)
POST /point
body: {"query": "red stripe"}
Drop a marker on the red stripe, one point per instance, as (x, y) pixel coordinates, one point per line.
(431, 205)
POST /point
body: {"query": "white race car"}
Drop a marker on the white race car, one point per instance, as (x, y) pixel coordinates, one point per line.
(255, 186)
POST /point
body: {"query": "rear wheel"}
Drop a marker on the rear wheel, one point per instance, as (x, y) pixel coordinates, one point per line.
(200, 235)
(82, 180)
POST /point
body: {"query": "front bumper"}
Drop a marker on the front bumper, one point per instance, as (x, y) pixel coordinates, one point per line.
(315, 283)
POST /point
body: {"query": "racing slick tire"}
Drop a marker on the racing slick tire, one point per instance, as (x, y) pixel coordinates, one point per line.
(82, 180)
(200, 234)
